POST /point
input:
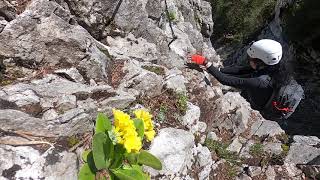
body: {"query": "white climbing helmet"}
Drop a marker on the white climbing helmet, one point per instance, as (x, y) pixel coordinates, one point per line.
(267, 50)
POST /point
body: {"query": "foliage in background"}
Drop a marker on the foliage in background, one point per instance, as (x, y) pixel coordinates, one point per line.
(302, 23)
(238, 21)
(116, 148)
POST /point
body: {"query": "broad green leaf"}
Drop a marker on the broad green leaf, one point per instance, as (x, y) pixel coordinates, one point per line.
(102, 149)
(132, 157)
(86, 173)
(90, 161)
(112, 176)
(148, 159)
(119, 151)
(85, 155)
(103, 123)
(138, 123)
(129, 174)
(139, 168)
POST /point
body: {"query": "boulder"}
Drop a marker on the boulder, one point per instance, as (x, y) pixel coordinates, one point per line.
(174, 149)
(203, 156)
(273, 148)
(139, 81)
(266, 128)
(235, 145)
(45, 35)
(232, 112)
(192, 115)
(175, 81)
(72, 73)
(303, 150)
(130, 47)
(28, 163)
(7, 11)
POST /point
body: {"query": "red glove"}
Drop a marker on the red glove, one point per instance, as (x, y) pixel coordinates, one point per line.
(200, 60)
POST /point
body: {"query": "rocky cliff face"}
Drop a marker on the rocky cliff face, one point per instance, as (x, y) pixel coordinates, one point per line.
(63, 61)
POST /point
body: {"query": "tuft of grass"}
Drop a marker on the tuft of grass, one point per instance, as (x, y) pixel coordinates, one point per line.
(155, 69)
(161, 116)
(283, 137)
(257, 149)
(221, 151)
(172, 16)
(182, 104)
(232, 171)
(285, 148)
(72, 140)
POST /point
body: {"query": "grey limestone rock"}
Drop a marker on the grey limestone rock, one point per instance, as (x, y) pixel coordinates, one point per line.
(43, 35)
(174, 149)
(28, 163)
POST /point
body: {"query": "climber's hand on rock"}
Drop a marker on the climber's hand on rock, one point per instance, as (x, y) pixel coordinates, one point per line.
(198, 59)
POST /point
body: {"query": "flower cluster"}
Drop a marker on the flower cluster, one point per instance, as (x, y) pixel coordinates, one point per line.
(148, 125)
(125, 131)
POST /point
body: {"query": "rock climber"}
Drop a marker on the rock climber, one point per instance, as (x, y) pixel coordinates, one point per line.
(258, 81)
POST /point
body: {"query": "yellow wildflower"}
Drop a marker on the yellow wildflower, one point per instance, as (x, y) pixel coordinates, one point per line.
(121, 119)
(150, 134)
(132, 144)
(147, 121)
(124, 127)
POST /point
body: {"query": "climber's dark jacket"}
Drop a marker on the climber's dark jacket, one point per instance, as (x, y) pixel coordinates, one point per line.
(256, 85)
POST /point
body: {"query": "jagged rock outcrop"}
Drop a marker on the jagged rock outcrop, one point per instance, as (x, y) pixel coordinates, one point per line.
(44, 35)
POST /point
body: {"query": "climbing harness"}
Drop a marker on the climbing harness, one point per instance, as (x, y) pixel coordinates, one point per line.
(276, 104)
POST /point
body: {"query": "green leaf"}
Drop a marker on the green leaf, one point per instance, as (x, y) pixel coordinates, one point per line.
(86, 173)
(90, 161)
(103, 123)
(85, 155)
(132, 157)
(148, 159)
(113, 176)
(138, 123)
(102, 149)
(119, 151)
(129, 173)
(139, 168)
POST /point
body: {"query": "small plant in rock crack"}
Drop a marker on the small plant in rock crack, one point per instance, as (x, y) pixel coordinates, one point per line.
(257, 149)
(221, 150)
(172, 16)
(117, 152)
(182, 102)
(161, 116)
